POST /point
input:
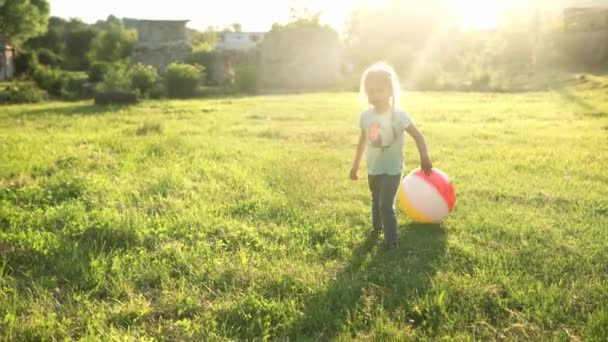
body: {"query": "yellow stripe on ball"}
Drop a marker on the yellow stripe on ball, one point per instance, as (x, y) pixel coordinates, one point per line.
(409, 209)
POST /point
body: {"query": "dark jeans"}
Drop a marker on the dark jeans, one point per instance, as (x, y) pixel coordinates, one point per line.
(384, 189)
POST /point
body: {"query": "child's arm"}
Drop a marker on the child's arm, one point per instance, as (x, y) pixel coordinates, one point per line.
(425, 160)
(354, 171)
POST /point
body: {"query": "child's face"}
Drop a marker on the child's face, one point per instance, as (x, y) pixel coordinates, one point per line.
(378, 90)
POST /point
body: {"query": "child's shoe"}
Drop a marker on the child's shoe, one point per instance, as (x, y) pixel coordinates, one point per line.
(374, 233)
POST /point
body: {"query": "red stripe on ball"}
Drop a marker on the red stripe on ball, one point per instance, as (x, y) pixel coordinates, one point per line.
(441, 182)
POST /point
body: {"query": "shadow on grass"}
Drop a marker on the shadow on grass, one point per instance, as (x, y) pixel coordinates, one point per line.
(569, 96)
(70, 110)
(391, 278)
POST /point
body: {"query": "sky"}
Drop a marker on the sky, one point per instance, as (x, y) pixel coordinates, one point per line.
(258, 16)
(252, 15)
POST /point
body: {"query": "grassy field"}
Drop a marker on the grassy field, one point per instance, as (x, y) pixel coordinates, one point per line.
(234, 218)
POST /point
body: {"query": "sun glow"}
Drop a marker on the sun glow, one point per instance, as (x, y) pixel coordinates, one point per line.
(478, 14)
(471, 14)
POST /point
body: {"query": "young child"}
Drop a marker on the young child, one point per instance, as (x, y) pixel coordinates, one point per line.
(382, 127)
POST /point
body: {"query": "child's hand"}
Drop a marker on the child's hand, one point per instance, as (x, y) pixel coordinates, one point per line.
(426, 165)
(354, 174)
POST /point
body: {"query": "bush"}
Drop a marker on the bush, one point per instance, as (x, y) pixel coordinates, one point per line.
(98, 71)
(115, 79)
(54, 81)
(427, 77)
(427, 81)
(113, 45)
(158, 91)
(203, 57)
(182, 79)
(247, 79)
(22, 93)
(76, 86)
(48, 57)
(143, 78)
(26, 62)
(481, 82)
(61, 84)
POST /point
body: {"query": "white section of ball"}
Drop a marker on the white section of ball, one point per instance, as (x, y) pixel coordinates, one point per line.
(424, 197)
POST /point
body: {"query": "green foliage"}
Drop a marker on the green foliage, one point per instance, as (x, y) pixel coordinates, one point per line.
(116, 78)
(301, 18)
(236, 27)
(54, 81)
(26, 62)
(202, 56)
(481, 82)
(113, 45)
(98, 71)
(76, 86)
(577, 50)
(21, 92)
(513, 51)
(246, 78)
(69, 39)
(22, 19)
(111, 21)
(119, 76)
(59, 83)
(49, 58)
(158, 91)
(205, 40)
(78, 44)
(53, 39)
(426, 76)
(143, 78)
(181, 80)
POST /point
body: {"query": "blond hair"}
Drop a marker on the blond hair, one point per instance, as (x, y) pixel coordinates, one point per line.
(383, 72)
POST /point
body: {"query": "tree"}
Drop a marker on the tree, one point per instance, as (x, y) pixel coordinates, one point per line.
(53, 39)
(301, 16)
(68, 39)
(236, 27)
(143, 78)
(182, 79)
(111, 21)
(78, 41)
(23, 19)
(113, 45)
(204, 40)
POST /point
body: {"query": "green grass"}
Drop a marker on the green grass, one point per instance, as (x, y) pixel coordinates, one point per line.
(234, 218)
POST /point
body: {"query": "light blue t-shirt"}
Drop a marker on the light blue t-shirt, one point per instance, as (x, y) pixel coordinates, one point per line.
(384, 149)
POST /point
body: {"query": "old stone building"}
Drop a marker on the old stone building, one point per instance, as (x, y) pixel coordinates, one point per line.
(238, 41)
(7, 61)
(160, 42)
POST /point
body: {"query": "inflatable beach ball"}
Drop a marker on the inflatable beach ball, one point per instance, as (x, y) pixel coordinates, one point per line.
(426, 199)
